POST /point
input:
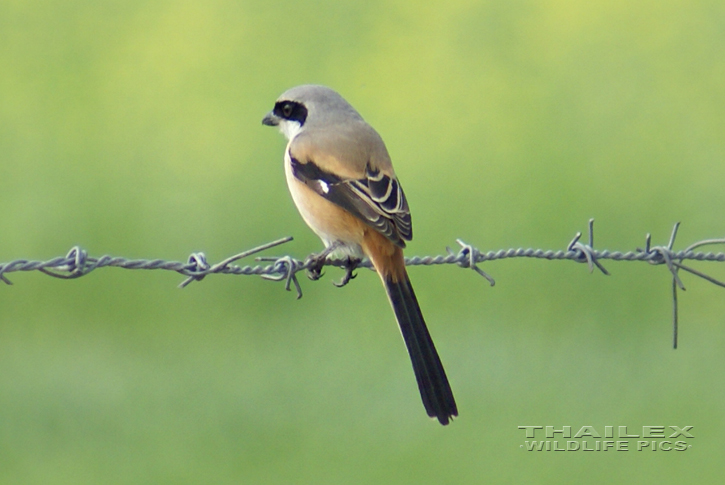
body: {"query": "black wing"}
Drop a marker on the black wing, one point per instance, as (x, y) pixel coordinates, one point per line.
(377, 199)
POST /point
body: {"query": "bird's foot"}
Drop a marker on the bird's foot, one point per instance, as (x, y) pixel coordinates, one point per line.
(315, 263)
(350, 266)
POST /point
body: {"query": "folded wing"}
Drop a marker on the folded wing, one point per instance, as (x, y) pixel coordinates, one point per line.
(376, 198)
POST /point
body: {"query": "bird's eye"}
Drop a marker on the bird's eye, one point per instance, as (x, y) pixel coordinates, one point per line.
(287, 110)
(291, 111)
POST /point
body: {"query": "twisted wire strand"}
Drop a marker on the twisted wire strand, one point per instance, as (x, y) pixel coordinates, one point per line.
(77, 262)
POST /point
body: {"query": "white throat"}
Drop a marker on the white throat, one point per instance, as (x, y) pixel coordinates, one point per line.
(289, 129)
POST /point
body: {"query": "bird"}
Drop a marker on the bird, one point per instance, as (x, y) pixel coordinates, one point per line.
(342, 181)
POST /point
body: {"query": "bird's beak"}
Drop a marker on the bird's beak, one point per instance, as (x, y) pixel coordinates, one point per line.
(271, 119)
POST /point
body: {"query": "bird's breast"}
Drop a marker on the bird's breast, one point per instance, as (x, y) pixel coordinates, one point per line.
(328, 220)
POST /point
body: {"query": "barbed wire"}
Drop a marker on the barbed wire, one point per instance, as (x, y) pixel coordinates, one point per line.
(77, 263)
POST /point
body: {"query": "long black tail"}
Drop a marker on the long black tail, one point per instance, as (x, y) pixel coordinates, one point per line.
(432, 381)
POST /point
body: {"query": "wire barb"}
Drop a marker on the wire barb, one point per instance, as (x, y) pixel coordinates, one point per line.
(287, 269)
(196, 268)
(585, 252)
(468, 256)
(665, 255)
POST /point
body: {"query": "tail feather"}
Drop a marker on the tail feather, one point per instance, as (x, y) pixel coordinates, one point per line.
(432, 381)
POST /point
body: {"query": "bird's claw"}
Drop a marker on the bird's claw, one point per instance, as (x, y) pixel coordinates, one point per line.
(349, 267)
(314, 265)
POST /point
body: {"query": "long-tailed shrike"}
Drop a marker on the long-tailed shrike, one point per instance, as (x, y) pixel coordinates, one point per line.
(342, 181)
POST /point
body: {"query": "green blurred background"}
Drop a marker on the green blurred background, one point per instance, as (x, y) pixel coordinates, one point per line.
(133, 129)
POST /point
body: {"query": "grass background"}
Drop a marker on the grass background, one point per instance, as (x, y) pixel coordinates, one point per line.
(133, 128)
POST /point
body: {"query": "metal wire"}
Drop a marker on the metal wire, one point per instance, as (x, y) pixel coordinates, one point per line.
(77, 263)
